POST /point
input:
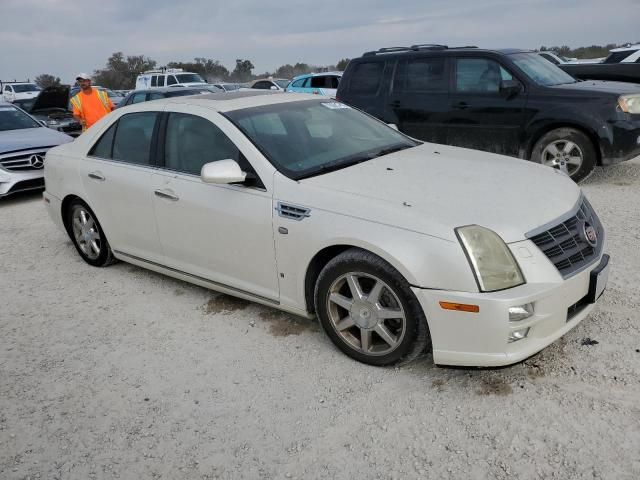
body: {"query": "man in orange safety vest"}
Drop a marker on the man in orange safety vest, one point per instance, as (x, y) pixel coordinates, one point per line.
(89, 104)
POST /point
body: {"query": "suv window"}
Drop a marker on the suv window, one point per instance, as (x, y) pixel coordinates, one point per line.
(155, 96)
(138, 97)
(161, 80)
(171, 80)
(192, 141)
(132, 142)
(298, 83)
(262, 85)
(366, 78)
(479, 75)
(102, 148)
(154, 80)
(319, 82)
(7, 88)
(421, 75)
(333, 82)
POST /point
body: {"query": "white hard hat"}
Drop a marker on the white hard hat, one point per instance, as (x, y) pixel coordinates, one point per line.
(83, 76)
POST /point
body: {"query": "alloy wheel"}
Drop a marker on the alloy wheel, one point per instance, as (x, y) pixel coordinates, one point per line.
(86, 233)
(366, 313)
(564, 155)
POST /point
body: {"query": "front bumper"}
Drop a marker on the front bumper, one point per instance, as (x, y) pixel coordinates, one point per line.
(625, 142)
(481, 339)
(20, 181)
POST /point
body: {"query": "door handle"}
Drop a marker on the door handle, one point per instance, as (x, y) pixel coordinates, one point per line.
(97, 176)
(461, 106)
(168, 196)
(395, 104)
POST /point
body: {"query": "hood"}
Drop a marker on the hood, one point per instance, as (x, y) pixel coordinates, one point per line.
(51, 97)
(599, 86)
(432, 189)
(27, 138)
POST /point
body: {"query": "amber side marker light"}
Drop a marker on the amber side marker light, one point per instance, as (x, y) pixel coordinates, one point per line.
(460, 307)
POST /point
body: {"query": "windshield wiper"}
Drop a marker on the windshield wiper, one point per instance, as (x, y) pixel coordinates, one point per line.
(389, 150)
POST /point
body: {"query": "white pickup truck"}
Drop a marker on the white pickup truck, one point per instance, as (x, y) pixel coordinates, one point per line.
(12, 91)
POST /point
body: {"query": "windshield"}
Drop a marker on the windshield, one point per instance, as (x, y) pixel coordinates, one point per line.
(310, 137)
(189, 78)
(540, 70)
(12, 118)
(281, 83)
(230, 86)
(29, 87)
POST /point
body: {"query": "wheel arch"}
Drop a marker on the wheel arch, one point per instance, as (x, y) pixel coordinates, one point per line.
(327, 253)
(548, 127)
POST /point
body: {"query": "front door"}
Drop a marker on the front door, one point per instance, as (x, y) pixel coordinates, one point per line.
(117, 178)
(480, 116)
(419, 99)
(222, 233)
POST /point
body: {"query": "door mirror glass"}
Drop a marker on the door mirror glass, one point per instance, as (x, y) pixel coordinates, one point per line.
(273, 87)
(222, 171)
(510, 88)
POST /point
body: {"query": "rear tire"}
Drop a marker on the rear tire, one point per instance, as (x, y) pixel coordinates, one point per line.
(87, 235)
(566, 149)
(368, 310)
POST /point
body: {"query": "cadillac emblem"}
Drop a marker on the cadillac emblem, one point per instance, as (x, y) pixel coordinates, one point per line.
(590, 234)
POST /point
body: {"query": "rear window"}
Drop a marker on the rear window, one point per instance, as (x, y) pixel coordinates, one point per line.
(421, 75)
(366, 78)
(617, 57)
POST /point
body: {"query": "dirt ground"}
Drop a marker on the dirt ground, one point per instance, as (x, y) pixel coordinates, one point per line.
(124, 373)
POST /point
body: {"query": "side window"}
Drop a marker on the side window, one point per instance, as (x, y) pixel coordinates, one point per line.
(161, 80)
(138, 97)
(102, 148)
(333, 82)
(298, 83)
(366, 78)
(155, 96)
(307, 82)
(132, 143)
(171, 80)
(154, 80)
(7, 88)
(421, 75)
(262, 85)
(318, 82)
(192, 141)
(479, 75)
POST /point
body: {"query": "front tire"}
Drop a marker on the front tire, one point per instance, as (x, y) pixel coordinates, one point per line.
(566, 149)
(368, 310)
(87, 235)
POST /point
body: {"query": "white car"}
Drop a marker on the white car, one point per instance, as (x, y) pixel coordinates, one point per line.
(307, 205)
(168, 77)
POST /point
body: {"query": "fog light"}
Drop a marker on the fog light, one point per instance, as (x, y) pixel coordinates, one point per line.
(518, 334)
(520, 312)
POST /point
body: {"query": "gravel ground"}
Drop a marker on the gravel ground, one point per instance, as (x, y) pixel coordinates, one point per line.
(124, 373)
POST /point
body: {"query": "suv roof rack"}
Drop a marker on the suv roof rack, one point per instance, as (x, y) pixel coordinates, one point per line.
(413, 48)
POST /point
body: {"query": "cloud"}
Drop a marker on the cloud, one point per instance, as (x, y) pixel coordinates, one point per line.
(62, 37)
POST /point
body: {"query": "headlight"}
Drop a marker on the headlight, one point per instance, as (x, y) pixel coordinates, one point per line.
(490, 258)
(52, 122)
(629, 103)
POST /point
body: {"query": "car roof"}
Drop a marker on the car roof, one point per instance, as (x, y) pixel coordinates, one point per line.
(624, 49)
(317, 74)
(229, 101)
(437, 49)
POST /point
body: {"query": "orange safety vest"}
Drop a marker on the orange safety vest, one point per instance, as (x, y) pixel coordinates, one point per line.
(102, 96)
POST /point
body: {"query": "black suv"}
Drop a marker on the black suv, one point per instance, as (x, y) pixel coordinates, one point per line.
(511, 102)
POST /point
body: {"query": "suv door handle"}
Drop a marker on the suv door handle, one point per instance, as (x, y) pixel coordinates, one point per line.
(461, 106)
(97, 176)
(168, 196)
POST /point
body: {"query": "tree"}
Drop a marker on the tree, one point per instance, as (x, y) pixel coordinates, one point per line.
(342, 64)
(243, 69)
(46, 80)
(120, 73)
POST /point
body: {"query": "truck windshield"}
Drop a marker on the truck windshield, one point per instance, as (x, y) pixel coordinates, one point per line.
(540, 70)
(310, 137)
(27, 87)
(189, 78)
(13, 119)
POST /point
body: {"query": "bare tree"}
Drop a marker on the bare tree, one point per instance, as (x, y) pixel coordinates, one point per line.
(47, 80)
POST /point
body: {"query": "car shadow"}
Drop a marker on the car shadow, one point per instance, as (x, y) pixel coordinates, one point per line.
(21, 197)
(621, 174)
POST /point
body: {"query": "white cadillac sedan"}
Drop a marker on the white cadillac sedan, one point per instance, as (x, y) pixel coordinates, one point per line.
(307, 205)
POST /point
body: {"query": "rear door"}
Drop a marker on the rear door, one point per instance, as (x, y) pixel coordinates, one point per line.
(419, 99)
(480, 116)
(117, 178)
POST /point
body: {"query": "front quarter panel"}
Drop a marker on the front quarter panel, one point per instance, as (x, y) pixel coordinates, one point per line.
(424, 261)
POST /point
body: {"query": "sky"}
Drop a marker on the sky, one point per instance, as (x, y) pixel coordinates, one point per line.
(63, 37)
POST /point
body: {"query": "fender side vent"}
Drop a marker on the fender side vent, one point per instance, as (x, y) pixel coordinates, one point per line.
(292, 212)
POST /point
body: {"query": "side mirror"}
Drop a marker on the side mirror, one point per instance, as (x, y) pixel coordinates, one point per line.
(273, 87)
(222, 172)
(510, 88)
